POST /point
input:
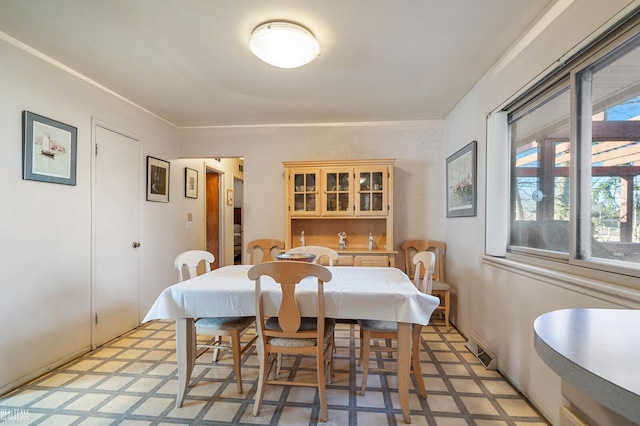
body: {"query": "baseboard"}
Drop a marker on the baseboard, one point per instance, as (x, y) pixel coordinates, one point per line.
(26, 379)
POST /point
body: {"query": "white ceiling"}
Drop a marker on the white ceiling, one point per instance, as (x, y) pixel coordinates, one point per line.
(188, 61)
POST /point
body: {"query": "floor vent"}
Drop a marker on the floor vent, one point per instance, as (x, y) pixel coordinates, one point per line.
(486, 357)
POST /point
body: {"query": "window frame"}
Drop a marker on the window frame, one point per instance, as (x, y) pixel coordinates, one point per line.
(614, 43)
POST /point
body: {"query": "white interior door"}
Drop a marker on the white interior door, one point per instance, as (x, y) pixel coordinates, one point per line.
(116, 289)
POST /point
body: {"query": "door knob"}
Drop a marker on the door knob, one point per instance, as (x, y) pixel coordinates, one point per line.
(135, 244)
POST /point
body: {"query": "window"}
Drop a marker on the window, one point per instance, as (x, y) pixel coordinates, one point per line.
(575, 166)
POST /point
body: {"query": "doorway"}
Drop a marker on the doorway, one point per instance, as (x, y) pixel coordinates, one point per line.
(213, 214)
(116, 234)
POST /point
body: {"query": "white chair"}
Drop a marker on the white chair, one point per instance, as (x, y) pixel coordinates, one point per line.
(234, 327)
(374, 329)
(441, 289)
(290, 332)
(319, 251)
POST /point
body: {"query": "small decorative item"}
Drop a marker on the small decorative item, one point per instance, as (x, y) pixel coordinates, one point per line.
(48, 150)
(229, 197)
(342, 240)
(157, 180)
(302, 242)
(190, 183)
(461, 182)
(370, 241)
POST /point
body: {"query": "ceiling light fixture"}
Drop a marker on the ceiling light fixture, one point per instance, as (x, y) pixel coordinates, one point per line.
(283, 44)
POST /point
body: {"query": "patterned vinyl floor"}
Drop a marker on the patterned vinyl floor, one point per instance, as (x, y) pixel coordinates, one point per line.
(133, 380)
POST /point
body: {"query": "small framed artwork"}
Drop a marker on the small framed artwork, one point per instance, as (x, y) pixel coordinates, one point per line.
(49, 149)
(190, 183)
(461, 182)
(229, 197)
(157, 180)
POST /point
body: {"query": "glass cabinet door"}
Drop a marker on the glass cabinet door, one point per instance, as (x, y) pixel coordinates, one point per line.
(337, 190)
(305, 192)
(372, 192)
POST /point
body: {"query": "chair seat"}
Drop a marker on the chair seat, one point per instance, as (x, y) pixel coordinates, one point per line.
(224, 323)
(378, 326)
(440, 286)
(306, 324)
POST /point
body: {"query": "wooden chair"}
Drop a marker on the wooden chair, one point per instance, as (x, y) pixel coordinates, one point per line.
(234, 327)
(441, 289)
(264, 250)
(388, 330)
(319, 251)
(289, 332)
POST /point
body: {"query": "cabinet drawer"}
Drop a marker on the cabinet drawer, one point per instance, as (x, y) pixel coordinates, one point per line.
(378, 261)
(344, 261)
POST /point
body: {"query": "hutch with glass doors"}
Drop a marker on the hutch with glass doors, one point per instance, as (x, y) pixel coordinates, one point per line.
(327, 198)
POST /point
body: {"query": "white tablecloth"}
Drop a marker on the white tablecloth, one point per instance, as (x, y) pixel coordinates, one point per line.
(352, 293)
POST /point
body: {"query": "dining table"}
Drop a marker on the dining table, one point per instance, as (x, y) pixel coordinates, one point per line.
(374, 293)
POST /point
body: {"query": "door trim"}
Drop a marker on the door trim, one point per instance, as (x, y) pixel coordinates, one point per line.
(95, 122)
(222, 212)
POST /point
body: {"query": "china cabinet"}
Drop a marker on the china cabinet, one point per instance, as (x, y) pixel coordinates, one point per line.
(325, 198)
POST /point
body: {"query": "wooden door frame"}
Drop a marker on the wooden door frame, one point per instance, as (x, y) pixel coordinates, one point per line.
(222, 247)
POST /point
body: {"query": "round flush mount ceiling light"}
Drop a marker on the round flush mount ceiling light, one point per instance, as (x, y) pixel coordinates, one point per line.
(283, 44)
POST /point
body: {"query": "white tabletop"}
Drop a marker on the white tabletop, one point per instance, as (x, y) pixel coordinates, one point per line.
(596, 351)
(352, 293)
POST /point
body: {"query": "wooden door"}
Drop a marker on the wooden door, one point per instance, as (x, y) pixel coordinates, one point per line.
(116, 285)
(213, 216)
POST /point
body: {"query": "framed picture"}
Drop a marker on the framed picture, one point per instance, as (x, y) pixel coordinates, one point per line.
(190, 183)
(461, 182)
(157, 180)
(49, 149)
(229, 197)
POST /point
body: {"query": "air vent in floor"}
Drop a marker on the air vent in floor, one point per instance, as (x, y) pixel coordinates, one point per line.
(486, 357)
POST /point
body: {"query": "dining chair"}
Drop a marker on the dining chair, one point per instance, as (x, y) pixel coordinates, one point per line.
(441, 289)
(233, 327)
(289, 332)
(319, 251)
(264, 250)
(388, 330)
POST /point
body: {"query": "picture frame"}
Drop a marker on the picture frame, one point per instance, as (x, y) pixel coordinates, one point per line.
(190, 183)
(229, 197)
(49, 150)
(462, 182)
(157, 180)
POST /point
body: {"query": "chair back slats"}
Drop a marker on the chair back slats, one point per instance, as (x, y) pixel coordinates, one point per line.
(264, 250)
(319, 251)
(289, 315)
(424, 262)
(191, 259)
(289, 274)
(439, 248)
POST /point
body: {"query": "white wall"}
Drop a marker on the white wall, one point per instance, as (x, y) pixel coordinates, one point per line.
(495, 302)
(45, 228)
(418, 173)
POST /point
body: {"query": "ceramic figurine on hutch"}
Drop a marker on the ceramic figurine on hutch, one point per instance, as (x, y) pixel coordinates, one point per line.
(370, 241)
(302, 239)
(342, 241)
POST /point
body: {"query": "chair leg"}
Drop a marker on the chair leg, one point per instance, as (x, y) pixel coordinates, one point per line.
(322, 390)
(388, 343)
(236, 350)
(217, 341)
(415, 359)
(360, 355)
(364, 356)
(263, 356)
(278, 365)
(447, 307)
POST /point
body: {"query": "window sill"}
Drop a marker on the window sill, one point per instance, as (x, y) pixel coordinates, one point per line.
(618, 289)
